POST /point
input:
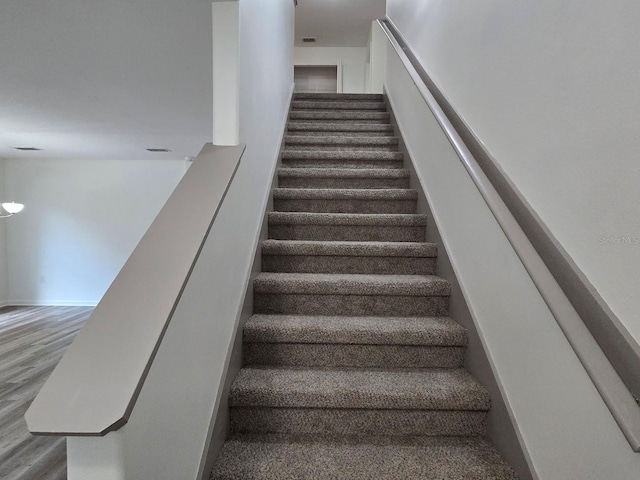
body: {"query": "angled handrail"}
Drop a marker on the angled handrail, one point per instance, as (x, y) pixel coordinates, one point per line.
(95, 386)
(610, 357)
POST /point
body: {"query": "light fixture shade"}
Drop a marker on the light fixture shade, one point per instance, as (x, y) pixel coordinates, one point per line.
(13, 207)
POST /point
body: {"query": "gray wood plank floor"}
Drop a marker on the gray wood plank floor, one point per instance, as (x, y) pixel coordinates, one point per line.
(32, 341)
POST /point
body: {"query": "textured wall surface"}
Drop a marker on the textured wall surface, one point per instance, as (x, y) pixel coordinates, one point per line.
(548, 87)
(560, 419)
(82, 219)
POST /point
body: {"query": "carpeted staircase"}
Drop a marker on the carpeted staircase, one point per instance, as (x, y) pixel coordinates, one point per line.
(352, 369)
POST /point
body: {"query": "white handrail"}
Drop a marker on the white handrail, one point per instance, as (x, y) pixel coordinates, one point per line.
(616, 395)
(93, 389)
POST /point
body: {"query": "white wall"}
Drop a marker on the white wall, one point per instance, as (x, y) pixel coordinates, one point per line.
(170, 427)
(82, 219)
(353, 60)
(559, 417)
(4, 273)
(550, 88)
(226, 35)
(377, 59)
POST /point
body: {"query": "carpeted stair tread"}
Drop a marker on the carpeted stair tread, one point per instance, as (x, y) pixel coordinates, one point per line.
(340, 128)
(350, 284)
(342, 142)
(347, 226)
(412, 389)
(321, 104)
(313, 256)
(345, 421)
(281, 457)
(336, 355)
(337, 158)
(343, 173)
(365, 97)
(340, 155)
(347, 219)
(316, 130)
(442, 331)
(360, 134)
(380, 301)
(341, 115)
(345, 193)
(354, 162)
(328, 177)
(334, 141)
(360, 249)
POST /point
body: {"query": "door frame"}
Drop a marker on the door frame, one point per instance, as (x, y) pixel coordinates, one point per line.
(337, 64)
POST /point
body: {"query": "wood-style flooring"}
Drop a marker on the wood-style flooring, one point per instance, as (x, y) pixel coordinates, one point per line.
(32, 341)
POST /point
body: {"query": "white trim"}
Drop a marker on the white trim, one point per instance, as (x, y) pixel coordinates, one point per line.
(337, 64)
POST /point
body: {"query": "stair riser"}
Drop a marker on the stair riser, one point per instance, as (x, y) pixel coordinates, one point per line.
(343, 121)
(358, 147)
(339, 141)
(357, 422)
(352, 133)
(340, 163)
(345, 206)
(379, 305)
(348, 264)
(354, 330)
(340, 105)
(339, 126)
(362, 356)
(336, 154)
(364, 233)
(360, 97)
(318, 182)
(351, 116)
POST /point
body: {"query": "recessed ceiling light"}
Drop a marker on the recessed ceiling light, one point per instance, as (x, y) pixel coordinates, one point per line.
(28, 149)
(158, 150)
(308, 39)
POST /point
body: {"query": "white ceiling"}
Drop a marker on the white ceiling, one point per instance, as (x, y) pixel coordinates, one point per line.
(109, 79)
(105, 79)
(337, 23)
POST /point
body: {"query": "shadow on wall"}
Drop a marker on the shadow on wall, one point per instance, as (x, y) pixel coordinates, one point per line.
(83, 220)
(75, 261)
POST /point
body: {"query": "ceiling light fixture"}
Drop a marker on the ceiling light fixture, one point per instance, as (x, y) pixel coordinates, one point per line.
(11, 208)
(158, 150)
(28, 149)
